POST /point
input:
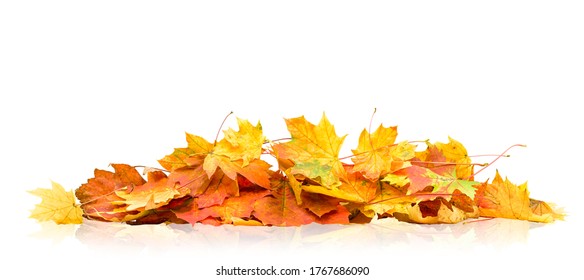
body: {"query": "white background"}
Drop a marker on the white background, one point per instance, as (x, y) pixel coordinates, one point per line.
(88, 83)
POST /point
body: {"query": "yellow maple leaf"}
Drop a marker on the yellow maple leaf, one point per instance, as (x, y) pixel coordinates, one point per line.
(372, 157)
(197, 146)
(455, 152)
(314, 149)
(503, 199)
(237, 150)
(245, 144)
(57, 205)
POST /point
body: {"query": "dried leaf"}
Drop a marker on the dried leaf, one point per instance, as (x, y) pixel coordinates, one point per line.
(314, 149)
(503, 199)
(57, 205)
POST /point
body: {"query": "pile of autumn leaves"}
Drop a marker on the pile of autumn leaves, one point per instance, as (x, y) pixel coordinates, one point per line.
(227, 182)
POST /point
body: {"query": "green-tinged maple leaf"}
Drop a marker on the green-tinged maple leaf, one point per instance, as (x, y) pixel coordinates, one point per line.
(420, 178)
(503, 199)
(57, 205)
(314, 150)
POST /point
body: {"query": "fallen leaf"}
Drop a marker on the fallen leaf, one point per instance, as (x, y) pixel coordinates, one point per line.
(503, 199)
(57, 205)
(372, 156)
(314, 149)
(151, 195)
(98, 195)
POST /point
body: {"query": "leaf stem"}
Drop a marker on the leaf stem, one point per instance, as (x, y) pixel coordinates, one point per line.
(497, 158)
(379, 148)
(489, 155)
(219, 130)
(370, 123)
(148, 167)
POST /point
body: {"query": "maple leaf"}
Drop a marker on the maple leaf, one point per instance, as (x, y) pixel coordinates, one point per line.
(320, 204)
(436, 211)
(455, 152)
(314, 149)
(197, 146)
(376, 154)
(420, 178)
(503, 199)
(98, 195)
(388, 200)
(236, 207)
(219, 188)
(192, 176)
(372, 154)
(245, 144)
(236, 150)
(151, 195)
(57, 205)
(280, 208)
(256, 170)
(354, 188)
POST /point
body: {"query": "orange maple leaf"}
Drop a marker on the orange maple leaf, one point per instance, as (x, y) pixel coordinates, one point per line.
(98, 195)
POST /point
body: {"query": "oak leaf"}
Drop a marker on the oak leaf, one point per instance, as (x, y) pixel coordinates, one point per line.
(57, 205)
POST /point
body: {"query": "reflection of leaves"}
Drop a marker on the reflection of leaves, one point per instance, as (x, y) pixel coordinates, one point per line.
(377, 234)
(56, 233)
